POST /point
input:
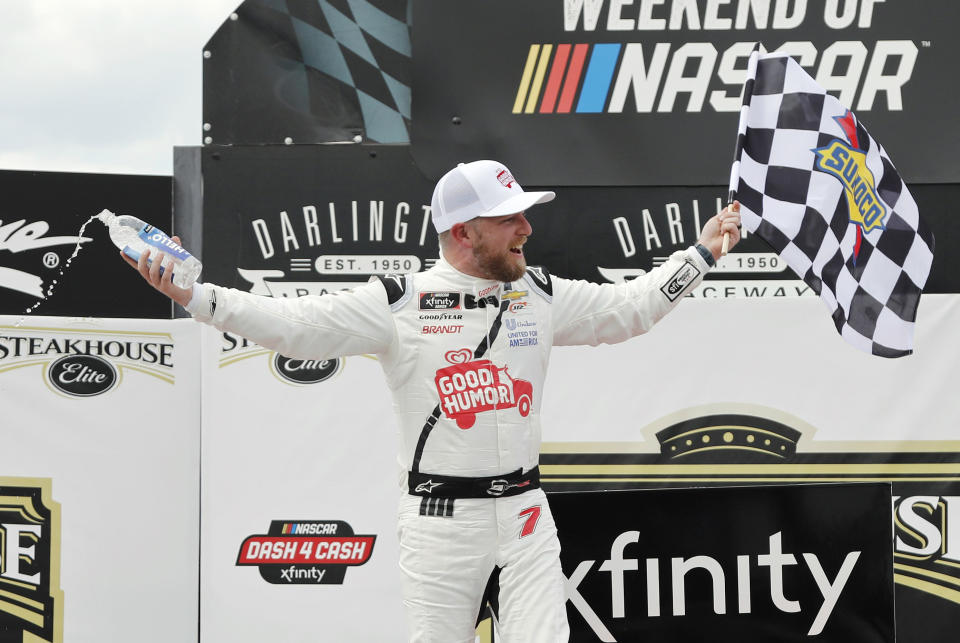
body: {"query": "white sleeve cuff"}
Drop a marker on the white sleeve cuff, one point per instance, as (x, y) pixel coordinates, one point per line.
(193, 306)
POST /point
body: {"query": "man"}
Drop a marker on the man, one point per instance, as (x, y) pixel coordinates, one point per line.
(467, 397)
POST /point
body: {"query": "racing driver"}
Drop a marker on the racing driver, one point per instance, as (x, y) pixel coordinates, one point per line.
(467, 395)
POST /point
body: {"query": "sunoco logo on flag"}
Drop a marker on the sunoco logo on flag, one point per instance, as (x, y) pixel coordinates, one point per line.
(849, 165)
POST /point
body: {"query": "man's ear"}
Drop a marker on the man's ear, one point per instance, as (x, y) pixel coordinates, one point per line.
(462, 234)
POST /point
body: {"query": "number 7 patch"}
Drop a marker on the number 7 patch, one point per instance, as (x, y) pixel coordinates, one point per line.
(532, 515)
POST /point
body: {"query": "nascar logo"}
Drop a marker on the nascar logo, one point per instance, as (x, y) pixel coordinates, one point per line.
(595, 86)
(584, 78)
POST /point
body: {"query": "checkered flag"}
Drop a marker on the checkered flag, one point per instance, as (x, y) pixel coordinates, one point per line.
(820, 191)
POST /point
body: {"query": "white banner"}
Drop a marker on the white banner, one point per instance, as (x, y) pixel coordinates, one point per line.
(782, 356)
(101, 415)
(305, 451)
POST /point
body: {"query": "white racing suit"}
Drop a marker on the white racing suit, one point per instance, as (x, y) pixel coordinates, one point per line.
(465, 359)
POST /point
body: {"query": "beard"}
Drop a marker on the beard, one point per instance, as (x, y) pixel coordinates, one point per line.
(501, 265)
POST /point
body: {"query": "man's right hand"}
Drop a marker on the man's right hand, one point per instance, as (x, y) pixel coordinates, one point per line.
(162, 282)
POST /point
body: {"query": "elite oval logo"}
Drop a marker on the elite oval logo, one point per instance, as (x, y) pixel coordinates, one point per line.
(82, 375)
(305, 371)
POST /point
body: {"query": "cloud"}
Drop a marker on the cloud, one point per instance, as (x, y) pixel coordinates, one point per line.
(102, 85)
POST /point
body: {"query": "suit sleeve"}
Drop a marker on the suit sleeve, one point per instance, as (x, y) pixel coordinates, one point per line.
(348, 322)
(588, 313)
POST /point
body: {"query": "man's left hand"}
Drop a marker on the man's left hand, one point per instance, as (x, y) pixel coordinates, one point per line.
(727, 221)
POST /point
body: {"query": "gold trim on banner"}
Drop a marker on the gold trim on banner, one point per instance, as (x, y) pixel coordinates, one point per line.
(22, 599)
(24, 364)
(943, 578)
(90, 331)
(928, 587)
(255, 353)
(160, 375)
(775, 470)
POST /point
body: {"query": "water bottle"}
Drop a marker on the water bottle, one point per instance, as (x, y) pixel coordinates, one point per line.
(133, 236)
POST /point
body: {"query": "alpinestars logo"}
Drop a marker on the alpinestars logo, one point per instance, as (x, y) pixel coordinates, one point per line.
(32, 605)
(306, 552)
(468, 387)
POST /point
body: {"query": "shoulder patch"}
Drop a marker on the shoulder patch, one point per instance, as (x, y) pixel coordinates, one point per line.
(539, 280)
(397, 291)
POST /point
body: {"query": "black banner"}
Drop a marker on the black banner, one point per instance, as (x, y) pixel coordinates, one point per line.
(784, 563)
(41, 215)
(287, 221)
(300, 71)
(606, 92)
(292, 220)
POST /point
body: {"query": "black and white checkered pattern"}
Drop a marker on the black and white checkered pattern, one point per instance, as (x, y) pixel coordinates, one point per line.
(870, 280)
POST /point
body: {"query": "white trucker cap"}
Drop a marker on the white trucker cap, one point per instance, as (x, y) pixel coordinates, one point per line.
(479, 189)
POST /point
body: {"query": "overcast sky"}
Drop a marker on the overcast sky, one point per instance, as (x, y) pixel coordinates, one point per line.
(102, 85)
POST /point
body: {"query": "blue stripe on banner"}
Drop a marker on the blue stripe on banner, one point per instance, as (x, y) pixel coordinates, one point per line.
(596, 84)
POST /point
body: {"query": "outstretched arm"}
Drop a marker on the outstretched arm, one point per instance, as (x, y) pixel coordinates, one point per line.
(313, 327)
(588, 313)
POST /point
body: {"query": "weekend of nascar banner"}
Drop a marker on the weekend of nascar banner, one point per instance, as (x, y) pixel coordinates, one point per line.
(739, 568)
(49, 267)
(287, 221)
(99, 479)
(646, 92)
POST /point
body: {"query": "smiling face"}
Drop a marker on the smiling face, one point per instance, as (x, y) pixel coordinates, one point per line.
(497, 250)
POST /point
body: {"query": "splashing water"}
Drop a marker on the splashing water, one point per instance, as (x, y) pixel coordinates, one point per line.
(53, 283)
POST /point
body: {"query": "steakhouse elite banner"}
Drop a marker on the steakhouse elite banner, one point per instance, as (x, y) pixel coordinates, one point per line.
(99, 479)
(759, 563)
(628, 92)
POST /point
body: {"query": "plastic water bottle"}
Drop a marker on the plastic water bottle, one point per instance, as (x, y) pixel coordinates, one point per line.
(133, 236)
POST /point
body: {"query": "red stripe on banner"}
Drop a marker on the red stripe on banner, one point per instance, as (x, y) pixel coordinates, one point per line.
(556, 75)
(573, 78)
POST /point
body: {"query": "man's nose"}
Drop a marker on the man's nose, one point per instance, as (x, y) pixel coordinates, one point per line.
(525, 228)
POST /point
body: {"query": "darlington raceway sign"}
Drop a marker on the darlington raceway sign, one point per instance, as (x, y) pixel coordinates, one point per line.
(647, 91)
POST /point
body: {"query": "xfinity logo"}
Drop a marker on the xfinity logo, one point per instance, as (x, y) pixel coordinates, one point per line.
(776, 568)
(439, 300)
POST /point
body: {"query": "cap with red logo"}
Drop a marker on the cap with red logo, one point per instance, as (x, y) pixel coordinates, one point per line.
(479, 189)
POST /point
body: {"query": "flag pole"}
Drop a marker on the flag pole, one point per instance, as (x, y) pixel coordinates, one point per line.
(741, 135)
